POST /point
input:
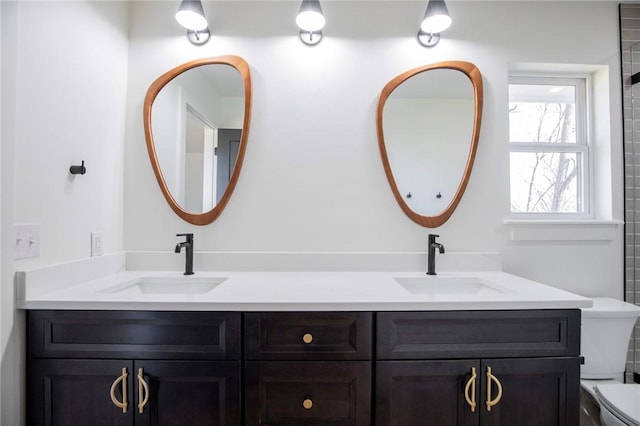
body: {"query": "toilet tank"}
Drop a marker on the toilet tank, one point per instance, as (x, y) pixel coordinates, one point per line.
(605, 334)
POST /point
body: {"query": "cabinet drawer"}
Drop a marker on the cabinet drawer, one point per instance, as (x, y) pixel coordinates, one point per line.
(140, 334)
(314, 393)
(474, 334)
(308, 335)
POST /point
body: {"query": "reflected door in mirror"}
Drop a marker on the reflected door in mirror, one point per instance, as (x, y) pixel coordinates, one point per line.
(227, 153)
(210, 160)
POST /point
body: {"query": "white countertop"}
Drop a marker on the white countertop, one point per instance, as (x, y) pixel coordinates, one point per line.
(302, 291)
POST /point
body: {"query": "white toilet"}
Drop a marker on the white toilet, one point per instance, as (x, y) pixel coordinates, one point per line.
(605, 399)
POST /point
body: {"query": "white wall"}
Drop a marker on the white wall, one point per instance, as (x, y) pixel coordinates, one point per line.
(313, 180)
(10, 343)
(64, 68)
(71, 85)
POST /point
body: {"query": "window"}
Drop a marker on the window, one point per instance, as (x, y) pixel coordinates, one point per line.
(549, 149)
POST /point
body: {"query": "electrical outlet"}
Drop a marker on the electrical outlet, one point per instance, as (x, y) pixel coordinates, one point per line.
(96, 244)
(26, 240)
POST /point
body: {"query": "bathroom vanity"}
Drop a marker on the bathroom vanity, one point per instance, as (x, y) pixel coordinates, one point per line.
(275, 358)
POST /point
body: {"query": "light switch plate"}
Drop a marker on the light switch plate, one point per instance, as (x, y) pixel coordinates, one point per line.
(96, 244)
(26, 240)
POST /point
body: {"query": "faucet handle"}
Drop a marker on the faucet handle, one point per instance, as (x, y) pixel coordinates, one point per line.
(189, 236)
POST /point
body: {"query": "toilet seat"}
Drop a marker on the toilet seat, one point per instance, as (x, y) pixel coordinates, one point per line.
(590, 385)
(621, 401)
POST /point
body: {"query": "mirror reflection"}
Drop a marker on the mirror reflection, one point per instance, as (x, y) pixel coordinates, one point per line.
(195, 118)
(428, 124)
(196, 122)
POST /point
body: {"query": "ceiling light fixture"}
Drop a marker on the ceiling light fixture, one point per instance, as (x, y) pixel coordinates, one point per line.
(190, 15)
(436, 19)
(311, 21)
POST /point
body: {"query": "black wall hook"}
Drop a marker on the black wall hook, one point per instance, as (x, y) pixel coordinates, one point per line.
(78, 170)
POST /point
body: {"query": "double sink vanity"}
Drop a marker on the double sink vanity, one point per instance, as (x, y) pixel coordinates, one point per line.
(305, 348)
(302, 348)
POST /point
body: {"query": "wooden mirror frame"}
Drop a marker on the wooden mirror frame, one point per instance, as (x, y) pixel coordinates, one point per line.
(243, 68)
(471, 71)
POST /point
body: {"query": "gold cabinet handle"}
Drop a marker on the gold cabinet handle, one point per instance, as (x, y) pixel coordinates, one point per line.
(121, 379)
(470, 390)
(307, 404)
(494, 379)
(143, 391)
(307, 338)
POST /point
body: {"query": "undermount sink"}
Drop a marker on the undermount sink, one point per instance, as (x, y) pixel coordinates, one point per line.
(439, 285)
(169, 285)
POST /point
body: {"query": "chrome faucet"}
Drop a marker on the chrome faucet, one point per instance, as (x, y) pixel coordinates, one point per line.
(188, 246)
(431, 260)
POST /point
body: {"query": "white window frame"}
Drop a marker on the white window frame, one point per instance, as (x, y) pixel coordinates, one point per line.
(582, 146)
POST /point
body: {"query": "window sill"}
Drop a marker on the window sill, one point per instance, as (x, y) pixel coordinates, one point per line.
(562, 230)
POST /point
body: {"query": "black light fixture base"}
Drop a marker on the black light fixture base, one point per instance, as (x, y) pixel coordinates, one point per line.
(310, 38)
(427, 39)
(199, 37)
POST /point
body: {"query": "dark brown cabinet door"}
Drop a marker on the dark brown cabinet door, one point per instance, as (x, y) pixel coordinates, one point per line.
(190, 393)
(77, 392)
(535, 392)
(418, 393)
(308, 393)
(517, 391)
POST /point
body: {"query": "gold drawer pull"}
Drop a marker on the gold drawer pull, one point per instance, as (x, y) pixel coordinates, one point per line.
(121, 379)
(143, 391)
(307, 404)
(492, 378)
(307, 338)
(470, 390)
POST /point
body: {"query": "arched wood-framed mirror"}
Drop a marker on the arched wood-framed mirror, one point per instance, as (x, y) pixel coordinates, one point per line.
(428, 124)
(196, 124)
